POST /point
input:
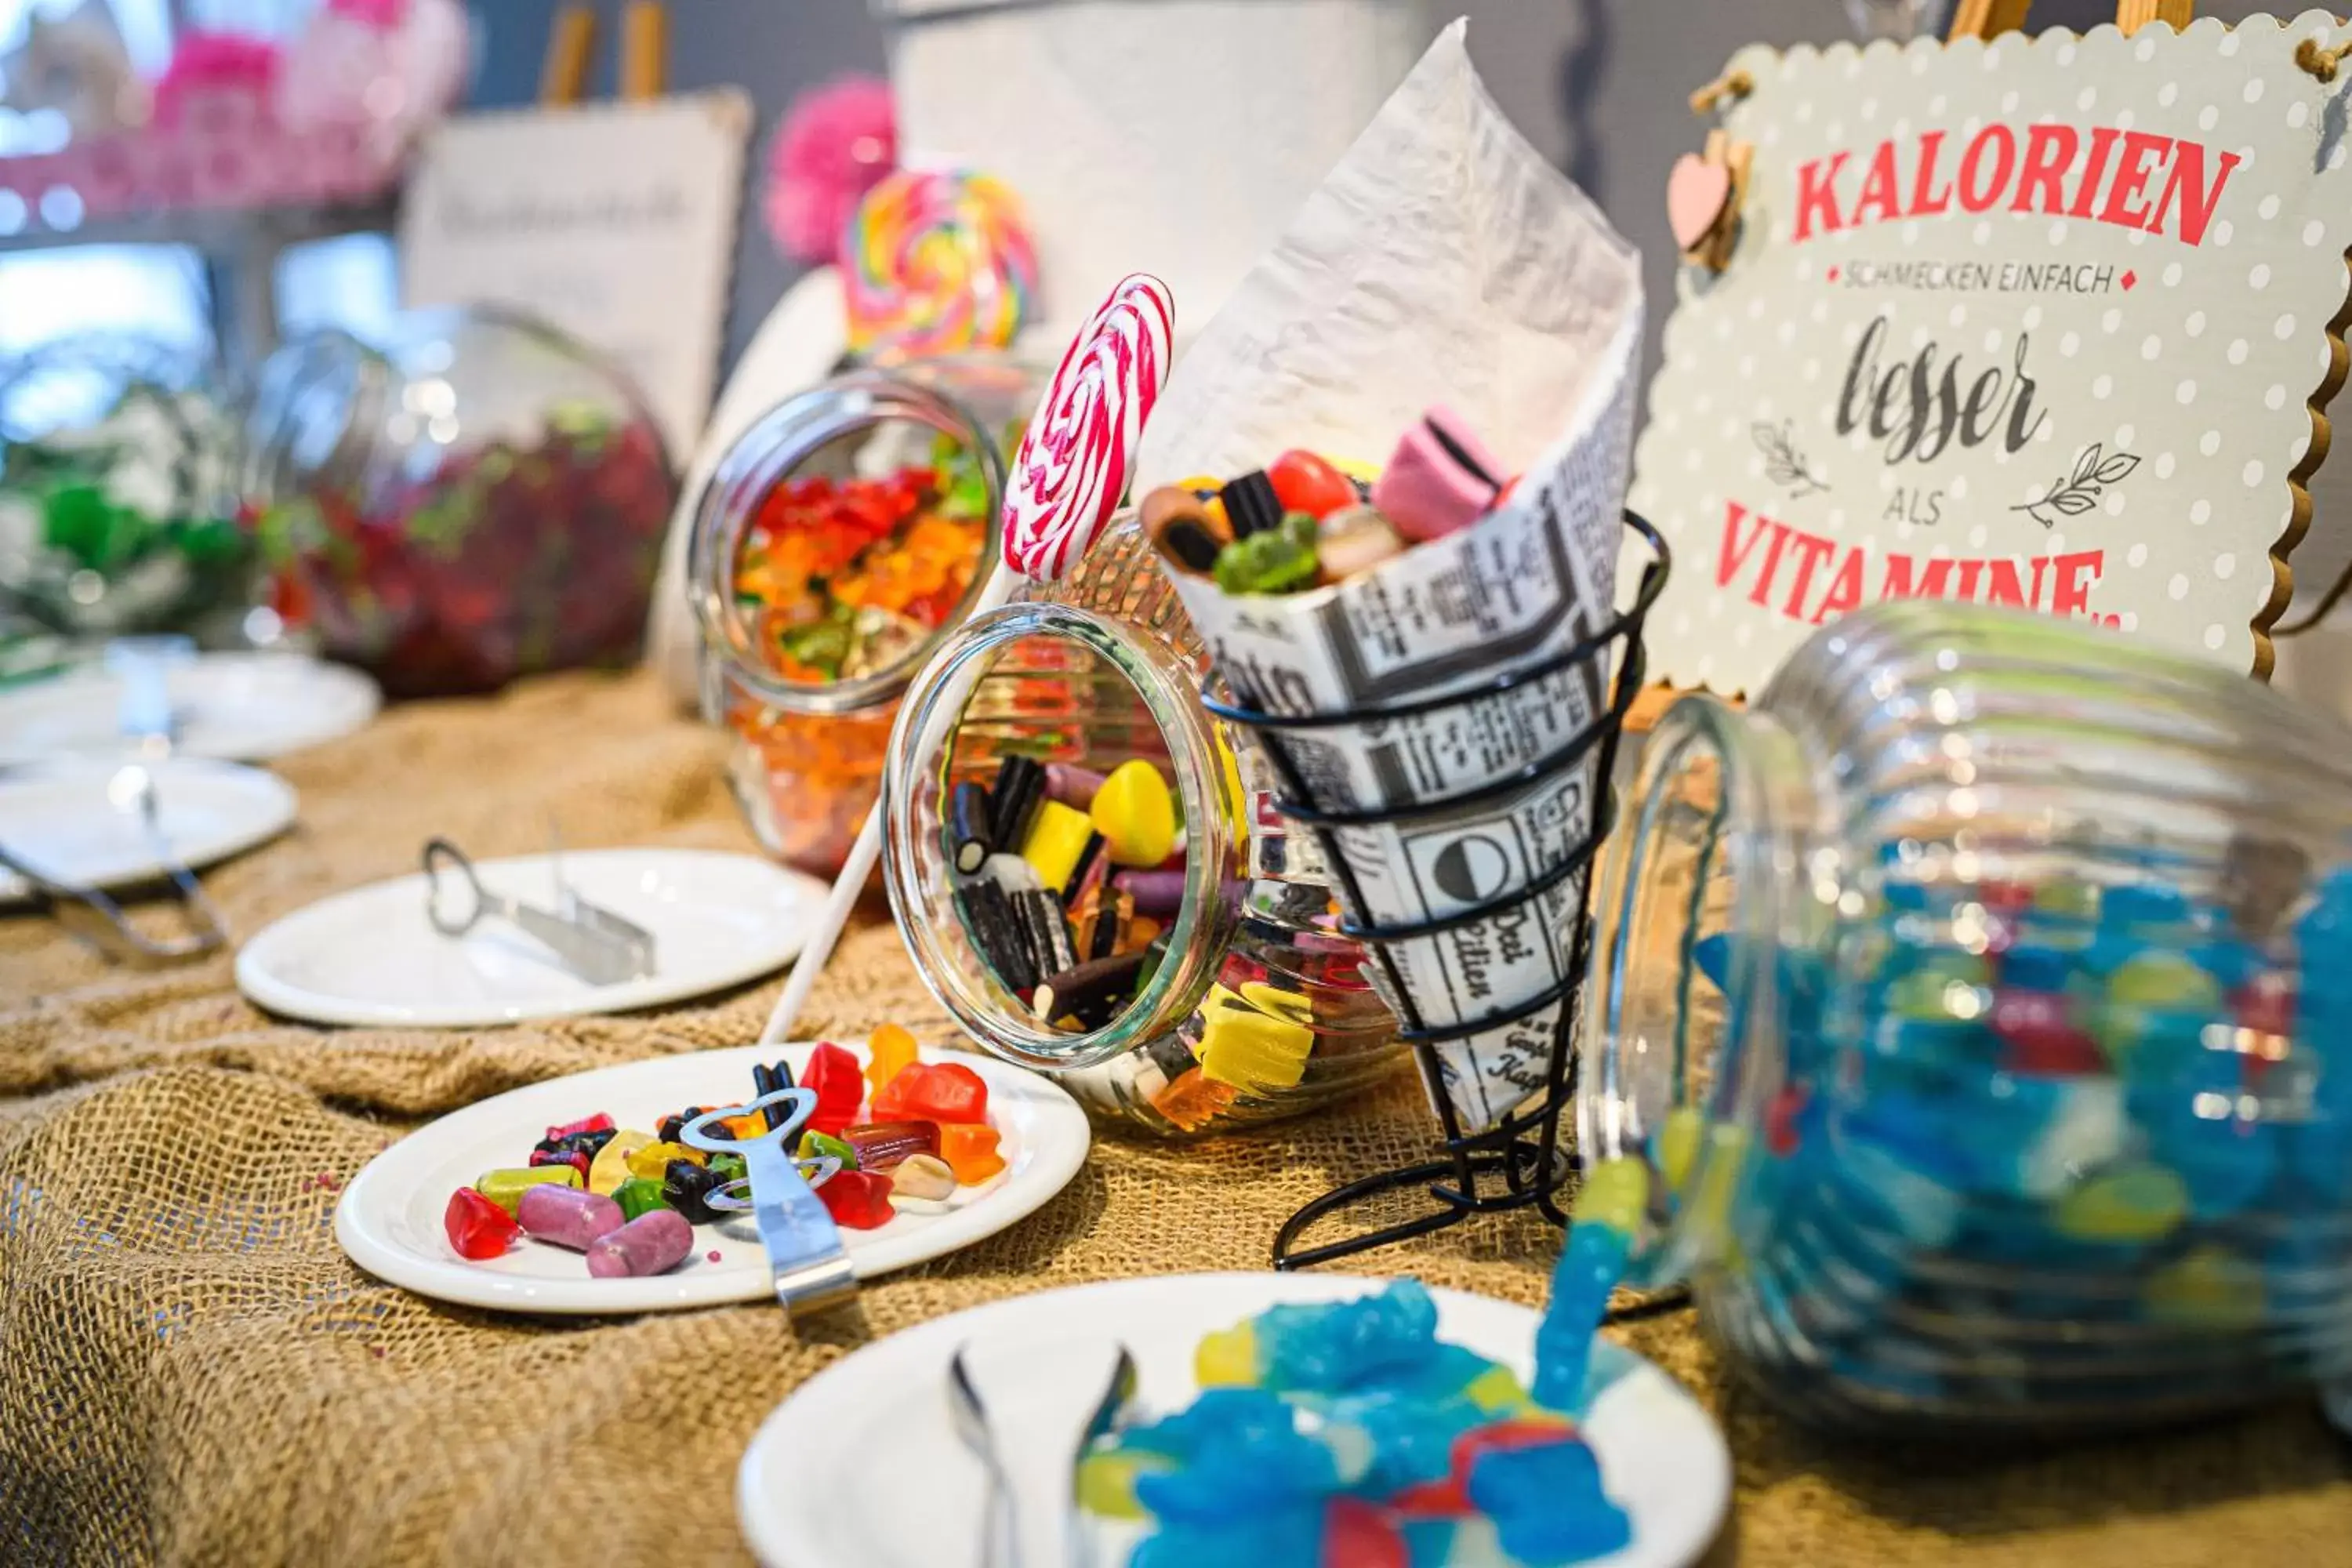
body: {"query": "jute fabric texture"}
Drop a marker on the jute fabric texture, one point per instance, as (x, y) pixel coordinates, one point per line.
(190, 1373)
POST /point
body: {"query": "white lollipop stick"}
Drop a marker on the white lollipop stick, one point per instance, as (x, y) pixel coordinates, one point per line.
(1074, 463)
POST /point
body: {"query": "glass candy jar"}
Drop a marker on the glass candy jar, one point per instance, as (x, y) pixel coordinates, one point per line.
(837, 543)
(1976, 1001)
(1245, 1004)
(118, 492)
(484, 497)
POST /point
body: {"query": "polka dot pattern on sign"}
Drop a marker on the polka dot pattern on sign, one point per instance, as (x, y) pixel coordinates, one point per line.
(2193, 360)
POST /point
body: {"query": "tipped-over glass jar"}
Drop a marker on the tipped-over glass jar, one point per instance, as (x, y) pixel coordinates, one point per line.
(839, 539)
(1977, 1001)
(1083, 868)
(481, 499)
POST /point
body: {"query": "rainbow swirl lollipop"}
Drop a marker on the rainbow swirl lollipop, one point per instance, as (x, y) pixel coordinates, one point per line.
(937, 262)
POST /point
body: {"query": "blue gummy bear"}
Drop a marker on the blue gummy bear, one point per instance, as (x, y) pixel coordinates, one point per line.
(2143, 904)
(1712, 955)
(2036, 966)
(1239, 1451)
(2320, 1154)
(1546, 1503)
(1285, 1535)
(2224, 1162)
(1330, 1346)
(1410, 1439)
(1590, 1267)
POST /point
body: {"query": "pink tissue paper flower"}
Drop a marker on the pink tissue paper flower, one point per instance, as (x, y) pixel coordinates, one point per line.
(389, 66)
(836, 142)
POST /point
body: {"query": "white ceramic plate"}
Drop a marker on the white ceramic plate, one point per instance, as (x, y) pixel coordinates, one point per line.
(60, 818)
(389, 1219)
(243, 707)
(371, 957)
(861, 1464)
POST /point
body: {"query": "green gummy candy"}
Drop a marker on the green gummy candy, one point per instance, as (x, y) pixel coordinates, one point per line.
(1274, 561)
(816, 1145)
(637, 1196)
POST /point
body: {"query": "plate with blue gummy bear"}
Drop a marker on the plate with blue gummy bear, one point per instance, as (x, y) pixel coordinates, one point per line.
(1275, 1418)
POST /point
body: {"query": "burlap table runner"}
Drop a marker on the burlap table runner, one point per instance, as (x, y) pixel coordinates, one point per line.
(190, 1372)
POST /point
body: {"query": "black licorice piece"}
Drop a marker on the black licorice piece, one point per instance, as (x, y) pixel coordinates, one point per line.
(997, 932)
(767, 1080)
(1105, 936)
(1093, 992)
(1250, 504)
(967, 817)
(686, 1187)
(1049, 933)
(1020, 784)
(1191, 544)
(1088, 856)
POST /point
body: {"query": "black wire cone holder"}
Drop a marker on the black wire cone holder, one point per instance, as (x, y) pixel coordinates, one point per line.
(1521, 1152)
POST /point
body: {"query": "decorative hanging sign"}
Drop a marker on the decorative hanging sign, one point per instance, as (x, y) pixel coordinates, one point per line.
(2042, 321)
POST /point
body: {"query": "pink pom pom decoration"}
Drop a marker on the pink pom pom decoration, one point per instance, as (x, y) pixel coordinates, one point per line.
(835, 143)
(1078, 455)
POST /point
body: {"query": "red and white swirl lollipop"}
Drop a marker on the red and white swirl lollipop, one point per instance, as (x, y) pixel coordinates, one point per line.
(1079, 451)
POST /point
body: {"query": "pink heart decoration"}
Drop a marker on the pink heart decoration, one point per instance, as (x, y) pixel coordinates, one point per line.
(1697, 194)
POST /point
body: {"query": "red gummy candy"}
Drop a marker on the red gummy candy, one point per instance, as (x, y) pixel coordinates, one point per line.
(834, 1076)
(1781, 1118)
(1305, 482)
(857, 1199)
(2039, 1029)
(477, 1227)
(947, 1093)
(600, 1122)
(575, 1159)
(1357, 1535)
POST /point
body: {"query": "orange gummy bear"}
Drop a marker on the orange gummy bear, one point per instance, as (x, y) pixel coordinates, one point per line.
(1192, 1100)
(889, 1051)
(970, 1150)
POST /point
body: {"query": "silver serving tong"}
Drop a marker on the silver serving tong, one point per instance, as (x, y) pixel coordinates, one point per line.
(588, 940)
(131, 792)
(1001, 1535)
(810, 1269)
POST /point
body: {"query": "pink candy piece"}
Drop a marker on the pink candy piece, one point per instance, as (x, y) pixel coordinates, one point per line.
(655, 1240)
(1438, 479)
(567, 1216)
(1078, 452)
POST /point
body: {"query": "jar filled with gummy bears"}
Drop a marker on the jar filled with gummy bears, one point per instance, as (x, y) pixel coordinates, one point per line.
(481, 497)
(838, 541)
(1973, 1029)
(1089, 877)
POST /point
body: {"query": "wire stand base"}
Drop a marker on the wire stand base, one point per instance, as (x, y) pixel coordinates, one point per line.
(1519, 1163)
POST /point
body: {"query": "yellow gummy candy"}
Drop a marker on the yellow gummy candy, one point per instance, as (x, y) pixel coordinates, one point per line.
(1106, 1482)
(1057, 836)
(2136, 1203)
(1136, 815)
(1227, 1358)
(2207, 1287)
(1278, 1003)
(1616, 1193)
(610, 1168)
(889, 1049)
(652, 1162)
(1678, 1143)
(1497, 1392)
(1243, 1046)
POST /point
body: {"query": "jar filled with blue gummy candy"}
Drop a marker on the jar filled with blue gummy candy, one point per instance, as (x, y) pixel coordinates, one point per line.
(1975, 1005)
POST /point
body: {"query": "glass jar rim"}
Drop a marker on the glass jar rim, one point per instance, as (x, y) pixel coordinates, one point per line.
(916, 743)
(766, 456)
(1762, 789)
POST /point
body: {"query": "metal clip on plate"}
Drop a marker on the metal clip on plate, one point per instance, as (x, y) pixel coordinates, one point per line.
(805, 1253)
(588, 940)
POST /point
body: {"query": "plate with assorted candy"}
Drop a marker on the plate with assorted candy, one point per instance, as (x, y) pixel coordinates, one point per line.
(1277, 1418)
(579, 1195)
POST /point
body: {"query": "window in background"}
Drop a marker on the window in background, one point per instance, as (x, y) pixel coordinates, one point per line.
(150, 290)
(349, 282)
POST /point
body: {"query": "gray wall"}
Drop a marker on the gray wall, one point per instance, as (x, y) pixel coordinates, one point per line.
(1600, 85)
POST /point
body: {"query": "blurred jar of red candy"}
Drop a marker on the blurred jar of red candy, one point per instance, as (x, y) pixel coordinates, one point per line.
(837, 542)
(481, 497)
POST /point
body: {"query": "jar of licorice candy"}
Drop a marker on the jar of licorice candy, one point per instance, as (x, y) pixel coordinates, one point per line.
(1976, 1029)
(1086, 872)
(838, 540)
